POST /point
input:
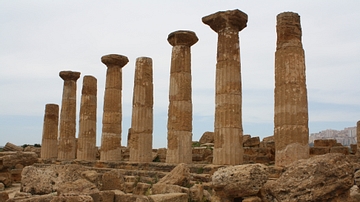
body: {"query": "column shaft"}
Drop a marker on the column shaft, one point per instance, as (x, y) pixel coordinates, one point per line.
(291, 130)
(112, 116)
(228, 131)
(86, 149)
(180, 103)
(140, 142)
(67, 140)
(49, 141)
(358, 138)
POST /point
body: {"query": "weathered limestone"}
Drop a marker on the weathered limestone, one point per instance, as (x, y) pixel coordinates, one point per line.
(49, 141)
(180, 104)
(11, 147)
(142, 114)
(228, 100)
(67, 140)
(86, 148)
(358, 138)
(112, 116)
(291, 130)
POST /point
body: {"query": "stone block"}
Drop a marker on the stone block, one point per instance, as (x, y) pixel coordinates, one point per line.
(16, 175)
(250, 151)
(263, 160)
(168, 188)
(240, 180)
(353, 148)
(103, 196)
(11, 147)
(173, 197)
(162, 154)
(4, 196)
(207, 137)
(80, 186)
(5, 178)
(246, 137)
(130, 198)
(319, 150)
(252, 199)
(129, 187)
(200, 153)
(113, 180)
(180, 175)
(252, 142)
(2, 186)
(340, 149)
(142, 188)
(196, 192)
(324, 142)
(71, 198)
(268, 139)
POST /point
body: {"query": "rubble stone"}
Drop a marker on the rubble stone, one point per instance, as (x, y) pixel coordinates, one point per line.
(320, 178)
(239, 181)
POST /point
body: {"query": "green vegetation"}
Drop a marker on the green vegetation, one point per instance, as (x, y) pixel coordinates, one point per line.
(196, 144)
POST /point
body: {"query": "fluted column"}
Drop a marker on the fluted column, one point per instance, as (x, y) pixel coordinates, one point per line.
(180, 104)
(228, 129)
(142, 114)
(86, 148)
(358, 138)
(49, 142)
(291, 129)
(112, 116)
(67, 140)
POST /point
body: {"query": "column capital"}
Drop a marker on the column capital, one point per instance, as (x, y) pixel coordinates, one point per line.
(69, 75)
(182, 37)
(221, 20)
(114, 60)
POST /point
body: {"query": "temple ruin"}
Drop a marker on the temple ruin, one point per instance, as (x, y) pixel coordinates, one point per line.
(291, 129)
(228, 129)
(224, 165)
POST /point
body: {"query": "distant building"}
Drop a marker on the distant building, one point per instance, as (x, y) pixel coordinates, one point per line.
(345, 137)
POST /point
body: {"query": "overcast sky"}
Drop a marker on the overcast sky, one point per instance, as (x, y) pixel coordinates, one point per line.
(38, 39)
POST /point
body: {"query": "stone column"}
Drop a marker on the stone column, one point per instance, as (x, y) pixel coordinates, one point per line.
(180, 104)
(142, 115)
(291, 131)
(112, 116)
(67, 140)
(358, 138)
(228, 131)
(49, 141)
(86, 148)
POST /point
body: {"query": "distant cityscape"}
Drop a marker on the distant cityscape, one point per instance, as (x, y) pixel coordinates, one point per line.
(345, 137)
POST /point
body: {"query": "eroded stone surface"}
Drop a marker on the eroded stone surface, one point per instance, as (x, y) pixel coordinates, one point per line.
(239, 181)
(86, 149)
(112, 115)
(140, 141)
(228, 130)
(320, 178)
(291, 107)
(180, 103)
(67, 127)
(50, 132)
